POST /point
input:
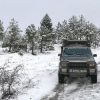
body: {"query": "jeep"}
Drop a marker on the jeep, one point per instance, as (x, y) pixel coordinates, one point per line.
(77, 60)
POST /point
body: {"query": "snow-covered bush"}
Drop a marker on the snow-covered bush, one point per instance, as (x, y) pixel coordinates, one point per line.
(21, 52)
(9, 79)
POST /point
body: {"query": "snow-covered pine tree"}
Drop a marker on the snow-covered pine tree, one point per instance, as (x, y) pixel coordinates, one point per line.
(73, 26)
(65, 29)
(12, 37)
(31, 35)
(98, 37)
(92, 33)
(23, 44)
(59, 32)
(78, 29)
(81, 28)
(1, 30)
(45, 32)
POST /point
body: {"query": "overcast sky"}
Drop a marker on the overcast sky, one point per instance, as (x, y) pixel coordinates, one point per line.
(28, 12)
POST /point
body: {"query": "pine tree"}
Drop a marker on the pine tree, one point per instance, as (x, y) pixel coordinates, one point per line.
(65, 29)
(1, 30)
(59, 32)
(45, 32)
(46, 23)
(31, 34)
(73, 26)
(92, 34)
(12, 37)
(78, 29)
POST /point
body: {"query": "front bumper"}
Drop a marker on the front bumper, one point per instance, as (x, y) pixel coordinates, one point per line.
(78, 72)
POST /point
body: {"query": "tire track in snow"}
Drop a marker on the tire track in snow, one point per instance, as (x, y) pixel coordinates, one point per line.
(66, 89)
(56, 90)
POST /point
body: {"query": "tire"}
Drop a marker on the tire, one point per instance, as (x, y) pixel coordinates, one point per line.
(93, 78)
(61, 79)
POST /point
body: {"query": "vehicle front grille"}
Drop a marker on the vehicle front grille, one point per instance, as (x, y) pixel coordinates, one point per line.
(77, 65)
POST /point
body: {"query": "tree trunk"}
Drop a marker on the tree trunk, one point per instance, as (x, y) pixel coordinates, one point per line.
(9, 91)
(41, 46)
(32, 48)
(3, 88)
(10, 48)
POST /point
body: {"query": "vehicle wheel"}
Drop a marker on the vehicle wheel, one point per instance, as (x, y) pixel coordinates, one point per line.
(61, 78)
(93, 78)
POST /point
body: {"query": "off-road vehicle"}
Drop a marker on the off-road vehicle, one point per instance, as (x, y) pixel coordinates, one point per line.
(77, 60)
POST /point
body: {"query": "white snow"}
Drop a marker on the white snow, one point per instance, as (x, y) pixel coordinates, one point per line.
(39, 77)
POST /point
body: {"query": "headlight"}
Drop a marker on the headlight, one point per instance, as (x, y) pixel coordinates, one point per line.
(64, 70)
(64, 64)
(92, 64)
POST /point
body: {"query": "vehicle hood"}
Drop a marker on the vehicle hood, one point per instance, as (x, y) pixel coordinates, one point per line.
(77, 59)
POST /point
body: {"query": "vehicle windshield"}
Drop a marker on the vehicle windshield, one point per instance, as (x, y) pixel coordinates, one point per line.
(77, 52)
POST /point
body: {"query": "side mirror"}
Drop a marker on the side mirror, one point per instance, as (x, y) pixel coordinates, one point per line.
(59, 54)
(94, 55)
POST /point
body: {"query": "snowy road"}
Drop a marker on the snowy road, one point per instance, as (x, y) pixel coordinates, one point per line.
(66, 91)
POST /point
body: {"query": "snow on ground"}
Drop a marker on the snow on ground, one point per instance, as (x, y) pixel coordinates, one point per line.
(39, 80)
(39, 75)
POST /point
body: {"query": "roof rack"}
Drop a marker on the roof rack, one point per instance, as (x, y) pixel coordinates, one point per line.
(78, 42)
